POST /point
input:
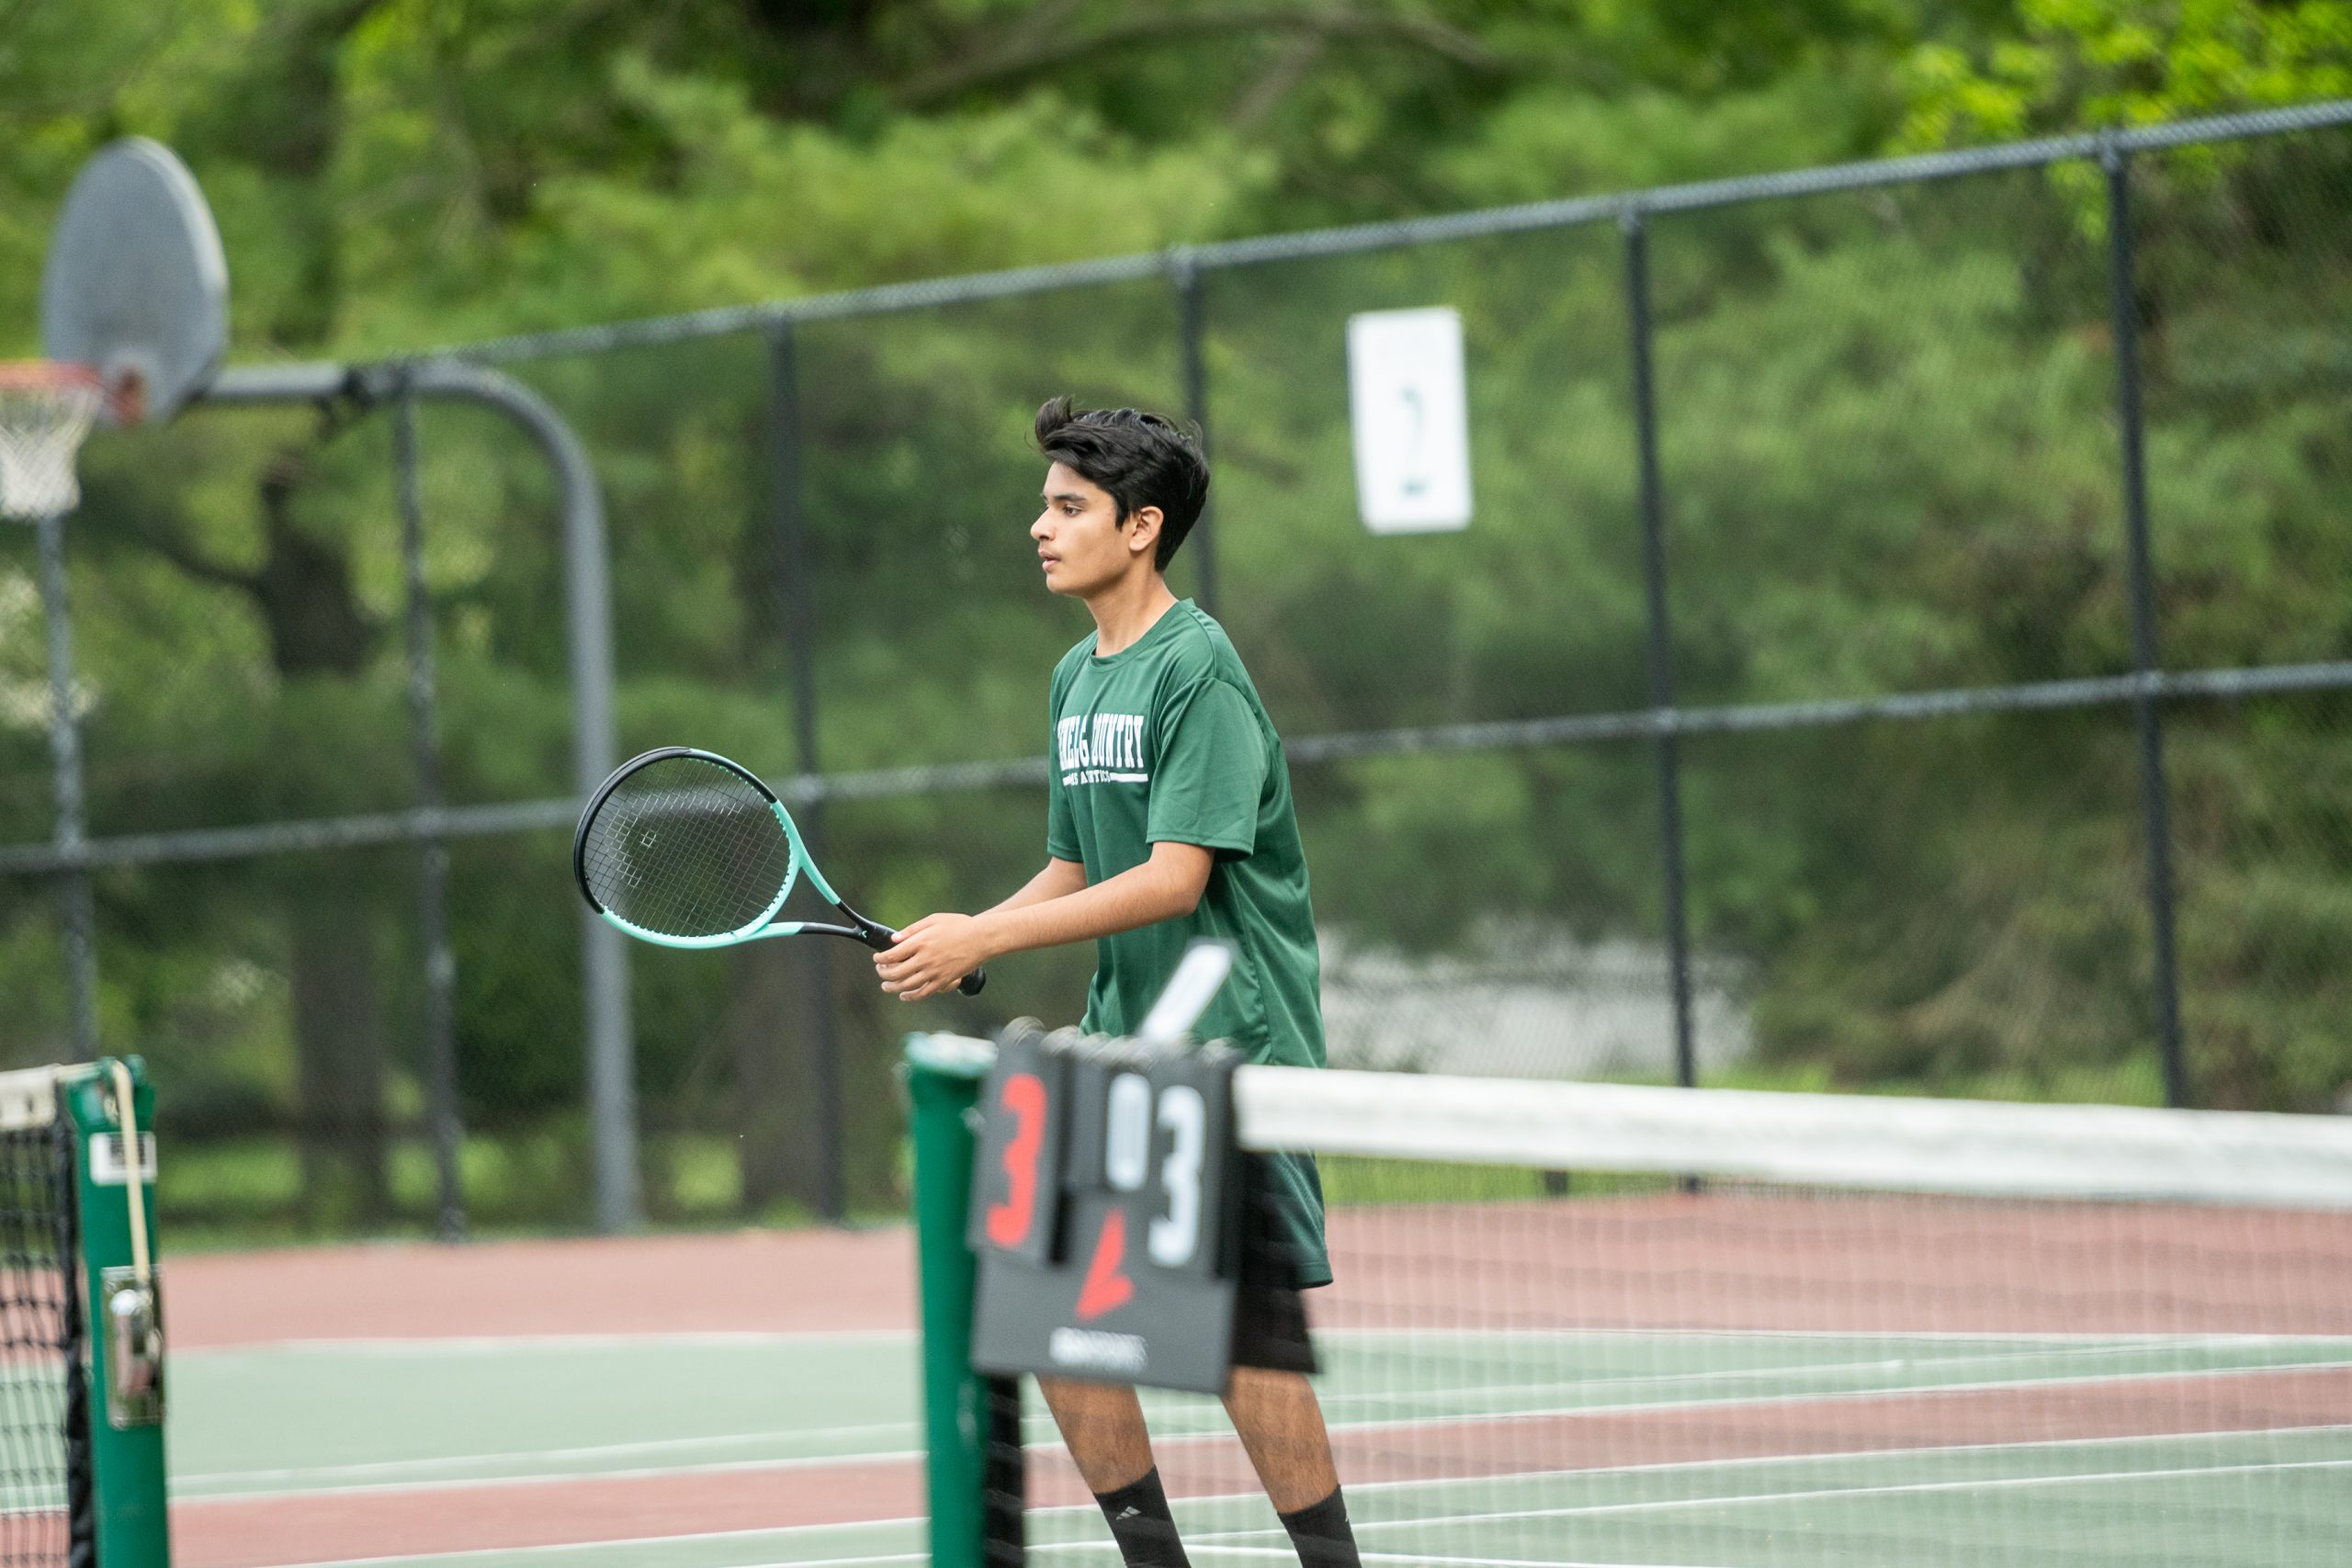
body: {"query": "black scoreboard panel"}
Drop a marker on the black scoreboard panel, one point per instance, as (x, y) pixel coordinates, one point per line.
(1105, 1211)
(1022, 1108)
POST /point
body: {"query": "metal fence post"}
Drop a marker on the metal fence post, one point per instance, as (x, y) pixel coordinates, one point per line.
(2154, 794)
(799, 608)
(1661, 648)
(1191, 328)
(65, 754)
(445, 1130)
(588, 657)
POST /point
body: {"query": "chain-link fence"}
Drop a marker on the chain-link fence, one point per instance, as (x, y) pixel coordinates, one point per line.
(1901, 644)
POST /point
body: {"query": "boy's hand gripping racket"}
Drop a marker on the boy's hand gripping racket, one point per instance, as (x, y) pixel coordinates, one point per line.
(686, 849)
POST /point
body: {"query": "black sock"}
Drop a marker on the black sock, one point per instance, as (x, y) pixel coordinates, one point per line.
(1142, 1525)
(1320, 1533)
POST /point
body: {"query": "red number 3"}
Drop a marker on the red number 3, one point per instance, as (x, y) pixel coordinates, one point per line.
(1009, 1222)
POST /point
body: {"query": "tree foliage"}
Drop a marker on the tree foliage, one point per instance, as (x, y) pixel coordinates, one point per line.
(1887, 438)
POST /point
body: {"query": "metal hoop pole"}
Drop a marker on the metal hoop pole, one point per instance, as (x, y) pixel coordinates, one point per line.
(66, 753)
(448, 1132)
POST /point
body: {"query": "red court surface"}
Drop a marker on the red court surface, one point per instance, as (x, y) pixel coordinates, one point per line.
(775, 1282)
(1594, 1266)
(778, 1282)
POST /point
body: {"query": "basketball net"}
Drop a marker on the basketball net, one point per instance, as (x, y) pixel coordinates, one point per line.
(45, 410)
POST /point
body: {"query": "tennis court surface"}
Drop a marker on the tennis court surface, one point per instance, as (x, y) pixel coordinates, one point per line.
(1619, 1324)
(1621, 1373)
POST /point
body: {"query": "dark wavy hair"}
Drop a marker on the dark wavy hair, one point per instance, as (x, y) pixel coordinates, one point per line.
(1141, 458)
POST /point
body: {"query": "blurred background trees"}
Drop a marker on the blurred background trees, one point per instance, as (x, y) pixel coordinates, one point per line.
(1886, 428)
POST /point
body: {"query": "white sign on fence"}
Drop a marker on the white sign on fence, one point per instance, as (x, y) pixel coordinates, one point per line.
(1411, 420)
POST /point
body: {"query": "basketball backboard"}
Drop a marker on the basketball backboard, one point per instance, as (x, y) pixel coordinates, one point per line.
(136, 286)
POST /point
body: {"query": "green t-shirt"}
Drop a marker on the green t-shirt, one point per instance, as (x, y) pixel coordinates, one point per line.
(1166, 740)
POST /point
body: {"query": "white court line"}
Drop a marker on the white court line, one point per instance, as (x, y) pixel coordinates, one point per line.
(2004, 1483)
(426, 1468)
(1289, 1554)
(1425, 1561)
(2070, 1354)
(1209, 1535)
(1929, 1336)
(1756, 1461)
(600, 1545)
(1667, 1505)
(475, 1553)
(1939, 1450)
(1220, 1435)
(486, 1344)
(792, 1562)
(481, 1483)
(1754, 1401)
(441, 1461)
(2102, 1345)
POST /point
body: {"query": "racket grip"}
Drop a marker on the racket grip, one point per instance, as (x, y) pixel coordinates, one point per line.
(970, 984)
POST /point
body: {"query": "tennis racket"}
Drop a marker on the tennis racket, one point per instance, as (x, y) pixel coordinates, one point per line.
(686, 849)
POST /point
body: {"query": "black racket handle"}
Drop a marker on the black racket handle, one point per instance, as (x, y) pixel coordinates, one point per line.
(878, 937)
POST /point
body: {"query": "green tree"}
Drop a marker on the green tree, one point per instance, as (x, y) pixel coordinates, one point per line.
(1887, 442)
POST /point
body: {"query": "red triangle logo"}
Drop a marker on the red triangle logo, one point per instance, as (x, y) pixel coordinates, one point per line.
(1106, 1289)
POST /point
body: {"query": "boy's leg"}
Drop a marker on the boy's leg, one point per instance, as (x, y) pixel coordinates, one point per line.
(1281, 1430)
(1272, 1404)
(1102, 1424)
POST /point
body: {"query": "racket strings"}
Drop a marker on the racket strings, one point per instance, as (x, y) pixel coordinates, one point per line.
(685, 848)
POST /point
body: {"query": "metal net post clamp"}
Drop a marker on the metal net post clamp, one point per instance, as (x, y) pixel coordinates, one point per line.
(133, 1321)
(46, 409)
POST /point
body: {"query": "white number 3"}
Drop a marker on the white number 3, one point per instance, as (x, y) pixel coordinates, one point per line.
(1176, 1234)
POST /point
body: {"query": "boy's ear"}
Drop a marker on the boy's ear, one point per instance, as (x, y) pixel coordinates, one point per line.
(1144, 535)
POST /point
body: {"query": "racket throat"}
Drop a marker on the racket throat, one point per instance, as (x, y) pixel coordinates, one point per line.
(872, 933)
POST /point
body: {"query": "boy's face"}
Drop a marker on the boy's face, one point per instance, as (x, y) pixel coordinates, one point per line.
(1081, 543)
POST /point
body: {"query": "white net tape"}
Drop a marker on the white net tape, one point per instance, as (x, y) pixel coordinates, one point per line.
(42, 421)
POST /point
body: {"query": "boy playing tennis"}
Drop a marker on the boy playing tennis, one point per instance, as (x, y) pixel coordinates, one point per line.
(1168, 818)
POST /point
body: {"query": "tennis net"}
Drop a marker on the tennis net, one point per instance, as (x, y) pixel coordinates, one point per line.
(45, 1412)
(1589, 1324)
(63, 1397)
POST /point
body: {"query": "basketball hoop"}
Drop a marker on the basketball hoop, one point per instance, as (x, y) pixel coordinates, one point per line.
(134, 319)
(45, 410)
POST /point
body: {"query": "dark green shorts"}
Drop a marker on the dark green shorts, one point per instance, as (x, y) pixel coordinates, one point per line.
(1282, 1254)
(1269, 1330)
(1283, 1234)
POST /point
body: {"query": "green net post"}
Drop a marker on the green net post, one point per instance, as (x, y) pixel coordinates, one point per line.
(943, 1077)
(125, 1331)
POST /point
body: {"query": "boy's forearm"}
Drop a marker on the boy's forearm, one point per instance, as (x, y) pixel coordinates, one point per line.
(1058, 880)
(1139, 896)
